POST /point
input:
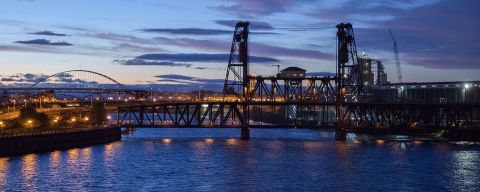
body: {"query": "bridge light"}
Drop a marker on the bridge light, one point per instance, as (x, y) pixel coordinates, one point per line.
(209, 141)
(417, 142)
(231, 141)
(466, 85)
(166, 141)
(380, 141)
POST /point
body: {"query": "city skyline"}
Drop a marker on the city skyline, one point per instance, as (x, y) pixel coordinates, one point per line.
(188, 42)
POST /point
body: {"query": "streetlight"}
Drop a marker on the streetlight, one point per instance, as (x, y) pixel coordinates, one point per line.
(466, 86)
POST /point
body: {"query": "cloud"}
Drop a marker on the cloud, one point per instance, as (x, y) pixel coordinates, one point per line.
(253, 24)
(252, 8)
(440, 40)
(258, 49)
(119, 37)
(437, 34)
(175, 77)
(146, 62)
(30, 78)
(48, 33)
(198, 31)
(188, 31)
(205, 68)
(322, 73)
(195, 81)
(26, 78)
(199, 57)
(44, 42)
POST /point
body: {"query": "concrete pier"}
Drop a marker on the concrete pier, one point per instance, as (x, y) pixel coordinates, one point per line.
(340, 134)
(245, 133)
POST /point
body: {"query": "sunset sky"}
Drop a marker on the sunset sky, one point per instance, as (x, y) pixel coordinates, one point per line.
(148, 41)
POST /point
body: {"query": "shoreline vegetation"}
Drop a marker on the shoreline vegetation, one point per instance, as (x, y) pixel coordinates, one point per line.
(32, 122)
(34, 131)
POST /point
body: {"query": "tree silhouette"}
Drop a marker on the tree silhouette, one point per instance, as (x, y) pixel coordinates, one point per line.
(29, 117)
(98, 114)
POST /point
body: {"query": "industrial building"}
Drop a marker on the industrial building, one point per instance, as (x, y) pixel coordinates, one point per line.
(372, 71)
(292, 72)
(433, 92)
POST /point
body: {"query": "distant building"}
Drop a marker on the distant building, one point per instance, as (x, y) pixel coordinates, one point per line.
(292, 72)
(372, 71)
(436, 92)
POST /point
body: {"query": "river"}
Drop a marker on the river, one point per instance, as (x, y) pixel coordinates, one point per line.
(273, 160)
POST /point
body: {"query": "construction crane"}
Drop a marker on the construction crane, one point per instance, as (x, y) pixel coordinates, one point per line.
(397, 58)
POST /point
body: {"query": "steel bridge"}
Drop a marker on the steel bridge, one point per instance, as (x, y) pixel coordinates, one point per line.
(80, 82)
(308, 115)
(340, 102)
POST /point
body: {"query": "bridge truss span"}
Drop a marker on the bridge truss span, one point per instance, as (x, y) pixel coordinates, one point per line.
(306, 89)
(298, 114)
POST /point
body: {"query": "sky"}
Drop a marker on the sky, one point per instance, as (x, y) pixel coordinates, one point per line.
(187, 42)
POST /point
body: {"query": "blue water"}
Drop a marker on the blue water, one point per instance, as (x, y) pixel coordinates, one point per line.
(274, 160)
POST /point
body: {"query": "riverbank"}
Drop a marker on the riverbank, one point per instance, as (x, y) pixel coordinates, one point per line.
(19, 145)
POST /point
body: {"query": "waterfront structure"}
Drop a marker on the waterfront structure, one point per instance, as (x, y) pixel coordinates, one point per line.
(292, 72)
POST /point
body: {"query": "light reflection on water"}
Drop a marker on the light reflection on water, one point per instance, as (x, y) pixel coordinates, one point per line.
(3, 171)
(216, 160)
(29, 171)
(465, 175)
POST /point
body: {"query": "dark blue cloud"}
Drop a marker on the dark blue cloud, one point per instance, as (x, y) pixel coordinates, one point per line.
(44, 42)
(197, 57)
(197, 31)
(253, 8)
(48, 33)
(188, 31)
(157, 63)
(253, 24)
(189, 81)
(27, 77)
(322, 73)
(434, 34)
(175, 77)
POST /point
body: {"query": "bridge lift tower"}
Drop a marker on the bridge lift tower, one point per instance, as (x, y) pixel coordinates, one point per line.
(237, 81)
(349, 80)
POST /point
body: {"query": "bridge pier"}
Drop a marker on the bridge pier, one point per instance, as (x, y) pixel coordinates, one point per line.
(340, 134)
(245, 133)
